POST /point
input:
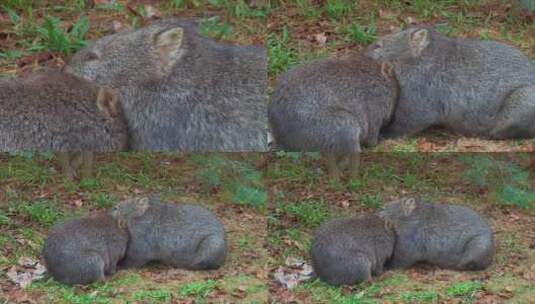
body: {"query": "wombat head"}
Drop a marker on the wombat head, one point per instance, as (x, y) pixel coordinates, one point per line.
(130, 57)
(129, 209)
(406, 44)
(401, 208)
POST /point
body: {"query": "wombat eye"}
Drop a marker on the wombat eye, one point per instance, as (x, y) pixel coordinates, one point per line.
(90, 56)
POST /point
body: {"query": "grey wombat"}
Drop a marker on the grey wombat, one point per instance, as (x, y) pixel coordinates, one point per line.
(332, 105)
(84, 250)
(181, 235)
(55, 111)
(472, 87)
(181, 91)
(449, 236)
(351, 250)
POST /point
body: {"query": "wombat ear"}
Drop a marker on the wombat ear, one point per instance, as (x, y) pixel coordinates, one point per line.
(418, 41)
(168, 45)
(387, 70)
(108, 102)
(408, 206)
(141, 206)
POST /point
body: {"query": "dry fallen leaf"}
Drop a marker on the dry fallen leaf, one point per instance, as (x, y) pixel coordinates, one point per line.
(321, 38)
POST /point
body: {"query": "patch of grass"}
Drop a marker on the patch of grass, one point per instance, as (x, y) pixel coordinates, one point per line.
(153, 296)
(55, 38)
(363, 35)
(506, 181)
(372, 201)
(281, 55)
(239, 182)
(467, 290)
(339, 8)
(421, 296)
(200, 289)
(310, 213)
(44, 212)
(103, 200)
(307, 9)
(216, 28)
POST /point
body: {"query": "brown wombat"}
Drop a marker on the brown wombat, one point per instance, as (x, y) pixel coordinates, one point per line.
(55, 111)
(449, 236)
(469, 86)
(181, 235)
(84, 250)
(334, 105)
(181, 91)
(351, 250)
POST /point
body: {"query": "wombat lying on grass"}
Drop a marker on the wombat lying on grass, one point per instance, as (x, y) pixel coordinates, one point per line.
(351, 250)
(84, 250)
(449, 236)
(333, 105)
(472, 87)
(181, 235)
(59, 112)
(181, 91)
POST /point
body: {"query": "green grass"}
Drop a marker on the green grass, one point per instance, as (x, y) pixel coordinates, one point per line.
(310, 213)
(199, 290)
(363, 35)
(43, 212)
(423, 296)
(281, 55)
(339, 8)
(508, 183)
(216, 28)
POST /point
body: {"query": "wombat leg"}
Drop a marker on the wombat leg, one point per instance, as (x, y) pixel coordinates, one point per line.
(517, 116)
(478, 253)
(87, 164)
(355, 165)
(65, 160)
(210, 253)
(131, 262)
(332, 166)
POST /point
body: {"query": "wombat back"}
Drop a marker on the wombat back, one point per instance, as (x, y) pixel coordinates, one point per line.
(55, 111)
(351, 250)
(84, 250)
(182, 235)
(449, 236)
(332, 105)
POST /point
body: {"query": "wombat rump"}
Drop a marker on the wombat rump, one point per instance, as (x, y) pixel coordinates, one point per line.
(351, 250)
(84, 250)
(181, 235)
(60, 112)
(449, 236)
(181, 91)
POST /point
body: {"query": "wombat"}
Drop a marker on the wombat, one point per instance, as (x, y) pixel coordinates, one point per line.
(351, 250)
(449, 236)
(471, 87)
(84, 250)
(182, 235)
(181, 91)
(54, 111)
(332, 105)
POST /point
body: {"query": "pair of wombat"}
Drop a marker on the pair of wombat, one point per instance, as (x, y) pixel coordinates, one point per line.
(176, 90)
(133, 233)
(407, 231)
(472, 87)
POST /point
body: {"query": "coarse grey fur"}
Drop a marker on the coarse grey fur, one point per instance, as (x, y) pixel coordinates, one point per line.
(332, 105)
(181, 91)
(54, 111)
(351, 250)
(84, 250)
(471, 87)
(446, 235)
(181, 235)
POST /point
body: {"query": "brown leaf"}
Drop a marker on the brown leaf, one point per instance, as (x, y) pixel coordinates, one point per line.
(321, 38)
(34, 58)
